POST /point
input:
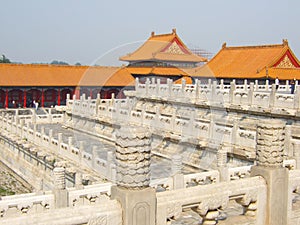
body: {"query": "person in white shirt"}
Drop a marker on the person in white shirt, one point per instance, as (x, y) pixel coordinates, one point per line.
(36, 105)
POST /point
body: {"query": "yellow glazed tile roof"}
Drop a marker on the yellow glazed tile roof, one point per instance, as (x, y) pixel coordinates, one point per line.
(167, 47)
(188, 80)
(245, 61)
(57, 75)
(282, 73)
(162, 71)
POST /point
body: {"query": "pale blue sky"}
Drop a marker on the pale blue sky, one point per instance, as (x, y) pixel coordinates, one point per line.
(91, 31)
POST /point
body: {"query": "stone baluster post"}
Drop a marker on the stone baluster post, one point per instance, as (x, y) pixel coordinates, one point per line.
(16, 126)
(250, 93)
(147, 83)
(234, 131)
(110, 166)
(170, 88)
(272, 96)
(157, 87)
(152, 80)
(256, 85)
(74, 98)
(137, 85)
(42, 130)
(211, 128)
(288, 148)
(67, 100)
(60, 191)
(178, 178)
(98, 96)
(1, 120)
(17, 117)
(113, 98)
(222, 162)
(231, 92)
(59, 140)
(27, 133)
(94, 156)
(183, 86)
(33, 118)
(269, 157)
(213, 92)
(42, 135)
(296, 150)
(197, 92)
(50, 136)
(267, 85)
(70, 143)
(209, 84)
(245, 85)
(39, 187)
(34, 131)
(78, 180)
(21, 128)
(297, 98)
(81, 150)
(50, 117)
(133, 155)
(157, 123)
(222, 84)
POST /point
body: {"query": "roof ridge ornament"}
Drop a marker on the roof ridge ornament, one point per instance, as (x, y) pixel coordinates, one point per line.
(224, 45)
(285, 42)
(174, 31)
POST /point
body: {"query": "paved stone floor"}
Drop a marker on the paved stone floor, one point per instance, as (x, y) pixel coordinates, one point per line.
(160, 167)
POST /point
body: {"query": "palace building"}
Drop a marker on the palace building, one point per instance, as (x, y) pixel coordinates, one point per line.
(251, 62)
(49, 84)
(162, 56)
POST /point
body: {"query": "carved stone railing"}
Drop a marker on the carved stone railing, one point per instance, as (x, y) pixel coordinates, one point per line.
(248, 96)
(294, 197)
(91, 194)
(17, 205)
(52, 146)
(90, 205)
(245, 97)
(208, 200)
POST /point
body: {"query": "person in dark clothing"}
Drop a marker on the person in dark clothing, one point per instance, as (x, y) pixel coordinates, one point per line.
(293, 82)
(277, 83)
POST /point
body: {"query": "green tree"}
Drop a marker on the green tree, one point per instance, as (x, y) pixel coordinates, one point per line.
(3, 59)
(56, 62)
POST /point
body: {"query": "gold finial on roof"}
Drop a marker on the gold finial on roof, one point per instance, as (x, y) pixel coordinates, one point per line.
(285, 42)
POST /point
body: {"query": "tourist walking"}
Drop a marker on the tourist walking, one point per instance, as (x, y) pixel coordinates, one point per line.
(293, 83)
(36, 105)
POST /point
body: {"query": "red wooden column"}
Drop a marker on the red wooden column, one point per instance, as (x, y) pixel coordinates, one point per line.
(58, 97)
(6, 98)
(43, 98)
(91, 93)
(77, 92)
(25, 98)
